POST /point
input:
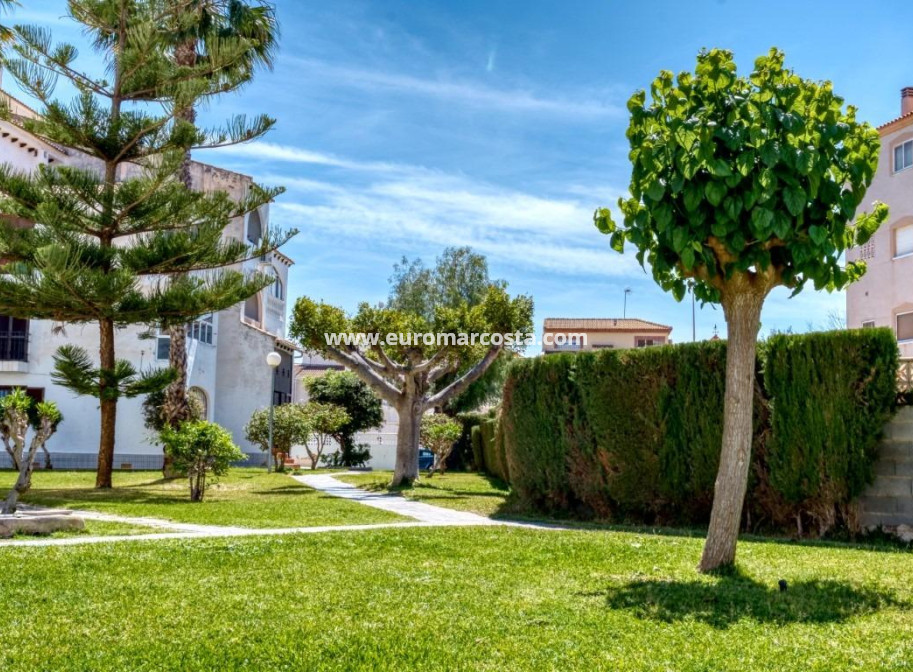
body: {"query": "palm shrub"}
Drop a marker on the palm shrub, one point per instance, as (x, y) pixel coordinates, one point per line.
(198, 448)
(17, 413)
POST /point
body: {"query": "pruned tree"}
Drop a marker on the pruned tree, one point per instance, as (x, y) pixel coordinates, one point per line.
(291, 427)
(405, 370)
(17, 413)
(741, 185)
(325, 421)
(363, 406)
(118, 240)
(438, 434)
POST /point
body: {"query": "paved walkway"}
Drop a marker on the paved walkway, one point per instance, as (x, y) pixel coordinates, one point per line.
(424, 515)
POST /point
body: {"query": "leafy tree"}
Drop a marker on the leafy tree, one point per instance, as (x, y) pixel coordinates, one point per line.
(325, 421)
(363, 406)
(740, 185)
(438, 434)
(459, 277)
(201, 31)
(199, 448)
(405, 370)
(118, 240)
(291, 427)
(17, 413)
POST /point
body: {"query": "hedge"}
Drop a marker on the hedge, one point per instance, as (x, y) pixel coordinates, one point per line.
(635, 435)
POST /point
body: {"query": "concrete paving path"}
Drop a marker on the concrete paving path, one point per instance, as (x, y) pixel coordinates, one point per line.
(426, 513)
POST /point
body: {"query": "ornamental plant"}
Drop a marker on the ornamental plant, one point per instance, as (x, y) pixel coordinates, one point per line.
(18, 412)
(740, 185)
(197, 449)
(438, 434)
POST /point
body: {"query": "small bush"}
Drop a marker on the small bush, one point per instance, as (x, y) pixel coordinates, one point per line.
(199, 448)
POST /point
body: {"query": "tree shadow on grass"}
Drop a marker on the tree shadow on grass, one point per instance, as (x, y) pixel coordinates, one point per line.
(726, 600)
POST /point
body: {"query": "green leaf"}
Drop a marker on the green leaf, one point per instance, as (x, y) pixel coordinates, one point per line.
(715, 192)
(770, 153)
(795, 199)
(679, 239)
(719, 168)
(745, 163)
(693, 196)
(719, 228)
(655, 191)
(818, 234)
(761, 219)
(688, 258)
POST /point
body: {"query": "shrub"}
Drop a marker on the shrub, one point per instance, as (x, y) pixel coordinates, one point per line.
(636, 434)
(363, 406)
(438, 434)
(830, 397)
(199, 448)
(324, 420)
(291, 427)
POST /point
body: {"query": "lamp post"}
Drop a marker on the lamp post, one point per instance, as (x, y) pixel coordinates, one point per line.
(624, 312)
(273, 359)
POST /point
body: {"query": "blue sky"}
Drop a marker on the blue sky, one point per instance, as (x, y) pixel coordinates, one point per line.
(405, 127)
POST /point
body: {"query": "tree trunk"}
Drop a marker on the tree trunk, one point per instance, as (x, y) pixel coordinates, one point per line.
(23, 483)
(743, 318)
(175, 407)
(108, 402)
(410, 417)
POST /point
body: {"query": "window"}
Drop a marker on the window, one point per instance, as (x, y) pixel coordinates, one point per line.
(903, 156)
(14, 339)
(252, 309)
(868, 325)
(276, 287)
(905, 327)
(647, 342)
(903, 240)
(254, 228)
(162, 345)
(201, 330)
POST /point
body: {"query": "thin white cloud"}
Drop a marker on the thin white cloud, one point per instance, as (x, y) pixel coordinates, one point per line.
(267, 151)
(466, 93)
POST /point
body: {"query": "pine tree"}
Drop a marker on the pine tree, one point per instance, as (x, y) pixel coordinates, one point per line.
(118, 239)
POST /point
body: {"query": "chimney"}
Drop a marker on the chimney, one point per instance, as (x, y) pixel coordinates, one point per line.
(906, 101)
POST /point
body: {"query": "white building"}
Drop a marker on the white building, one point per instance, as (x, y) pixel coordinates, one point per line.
(381, 441)
(226, 351)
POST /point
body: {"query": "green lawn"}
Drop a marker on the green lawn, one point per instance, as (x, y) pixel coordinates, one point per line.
(452, 599)
(465, 491)
(244, 498)
(94, 528)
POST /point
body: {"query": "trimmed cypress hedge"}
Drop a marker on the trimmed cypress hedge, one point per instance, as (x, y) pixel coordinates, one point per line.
(635, 435)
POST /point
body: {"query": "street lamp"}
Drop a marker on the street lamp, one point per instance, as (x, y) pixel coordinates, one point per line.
(273, 359)
(624, 313)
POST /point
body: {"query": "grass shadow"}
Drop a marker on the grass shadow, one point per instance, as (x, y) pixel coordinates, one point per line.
(726, 600)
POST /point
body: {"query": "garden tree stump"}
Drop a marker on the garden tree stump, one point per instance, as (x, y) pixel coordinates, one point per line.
(39, 523)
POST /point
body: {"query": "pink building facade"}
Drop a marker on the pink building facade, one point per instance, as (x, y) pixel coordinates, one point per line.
(884, 295)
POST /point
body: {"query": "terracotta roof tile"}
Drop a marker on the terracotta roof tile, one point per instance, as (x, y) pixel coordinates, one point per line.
(604, 324)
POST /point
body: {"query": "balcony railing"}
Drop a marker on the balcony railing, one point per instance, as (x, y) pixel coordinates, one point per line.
(14, 346)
